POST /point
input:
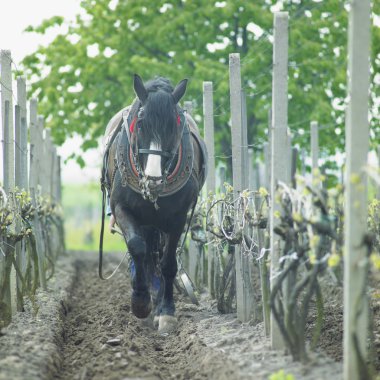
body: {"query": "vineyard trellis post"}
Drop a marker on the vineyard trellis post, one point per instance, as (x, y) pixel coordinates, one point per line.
(378, 161)
(289, 147)
(303, 162)
(244, 139)
(356, 198)
(21, 173)
(244, 299)
(252, 171)
(22, 179)
(208, 114)
(34, 180)
(314, 146)
(8, 166)
(267, 167)
(23, 147)
(279, 137)
(267, 152)
(7, 109)
(294, 159)
(19, 251)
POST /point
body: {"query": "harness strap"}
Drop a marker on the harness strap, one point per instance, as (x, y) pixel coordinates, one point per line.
(100, 267)
(156, 152)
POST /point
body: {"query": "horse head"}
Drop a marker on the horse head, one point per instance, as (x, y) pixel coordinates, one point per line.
(158, 126)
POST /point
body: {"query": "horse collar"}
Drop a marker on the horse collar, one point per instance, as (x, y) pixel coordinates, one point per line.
(152, 188)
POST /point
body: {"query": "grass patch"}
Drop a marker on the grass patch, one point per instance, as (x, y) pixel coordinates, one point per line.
(82, 212)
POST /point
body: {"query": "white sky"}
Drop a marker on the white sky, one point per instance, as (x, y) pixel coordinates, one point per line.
(15, 16)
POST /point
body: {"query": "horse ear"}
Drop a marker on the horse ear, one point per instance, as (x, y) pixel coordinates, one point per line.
(179, 90)
(139, 88)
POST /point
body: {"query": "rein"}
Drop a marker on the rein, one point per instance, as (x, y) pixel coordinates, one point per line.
(100, 266)
(103, 187)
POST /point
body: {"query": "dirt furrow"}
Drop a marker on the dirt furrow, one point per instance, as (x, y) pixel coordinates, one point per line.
(103, 340)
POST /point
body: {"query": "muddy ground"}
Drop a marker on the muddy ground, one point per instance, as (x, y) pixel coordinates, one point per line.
(82, 328)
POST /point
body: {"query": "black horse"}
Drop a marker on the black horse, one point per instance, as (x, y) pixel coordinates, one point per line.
(155, 168)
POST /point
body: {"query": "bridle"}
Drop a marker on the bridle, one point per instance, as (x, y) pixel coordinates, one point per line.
(151, 186)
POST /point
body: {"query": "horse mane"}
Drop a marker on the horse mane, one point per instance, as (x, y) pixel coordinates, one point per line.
(159, 122)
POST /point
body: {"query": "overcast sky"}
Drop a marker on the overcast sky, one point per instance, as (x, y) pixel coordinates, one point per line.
(15, 16)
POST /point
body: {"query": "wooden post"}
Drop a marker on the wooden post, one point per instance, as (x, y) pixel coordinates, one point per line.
(6, 96)
(267, 166)
(20, 247)
(7, 272)
(208, 112)
(378, 160)
(243, 286)
(193, 254)
(244, 140)
(252, 172)
(303, 160)
(267, 147)
(35, 147)
(42, 156)
(17, 146)
(9, 151)
(9, 163)
(59, 188)
(21, 101)
(190, 255)
(33, 144)
(279, 154)
(289, 158)
(356, 198)
(314, 142)
(294, 167)
(22, 179)
(49, 163)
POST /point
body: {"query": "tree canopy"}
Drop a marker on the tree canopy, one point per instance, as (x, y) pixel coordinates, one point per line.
(85, 74)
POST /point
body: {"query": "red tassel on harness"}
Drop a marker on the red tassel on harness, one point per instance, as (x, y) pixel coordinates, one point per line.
(132, 126)
(178, 120)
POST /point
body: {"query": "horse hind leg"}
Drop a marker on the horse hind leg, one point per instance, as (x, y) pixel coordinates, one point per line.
(141, 303)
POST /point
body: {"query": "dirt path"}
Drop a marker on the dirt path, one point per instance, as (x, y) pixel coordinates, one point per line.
(81, 328)
(103, 340)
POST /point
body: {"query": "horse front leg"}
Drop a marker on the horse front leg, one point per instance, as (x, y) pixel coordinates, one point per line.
(141, 303)
(167, 321)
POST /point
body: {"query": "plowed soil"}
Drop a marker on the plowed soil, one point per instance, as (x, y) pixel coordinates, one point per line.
(82, 328)
(103, 339)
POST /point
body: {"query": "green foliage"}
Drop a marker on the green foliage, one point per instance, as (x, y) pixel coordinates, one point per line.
(81, 204)
(281, 375)
(374, 230)
(85, 75)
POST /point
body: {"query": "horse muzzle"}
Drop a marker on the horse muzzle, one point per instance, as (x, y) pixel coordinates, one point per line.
(151, 188)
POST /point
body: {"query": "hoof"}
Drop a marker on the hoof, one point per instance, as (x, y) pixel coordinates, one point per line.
(141, 306)
(156, 321)
(167, 324)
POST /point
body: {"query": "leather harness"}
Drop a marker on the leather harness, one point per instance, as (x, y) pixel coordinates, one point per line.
(175, 175)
